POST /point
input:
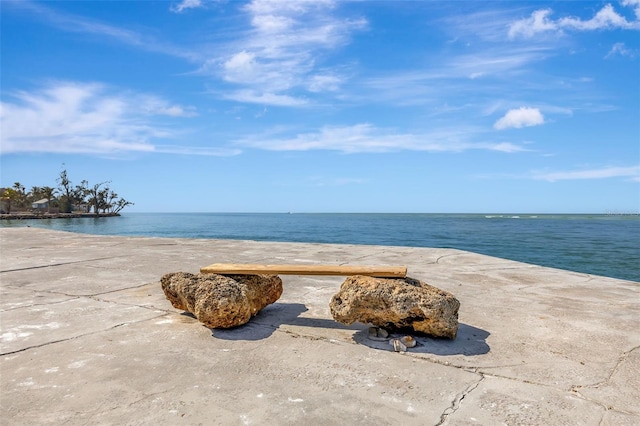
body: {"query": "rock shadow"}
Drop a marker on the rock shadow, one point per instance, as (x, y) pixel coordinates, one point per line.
(271, 318)
(263, 324)
(469, 341)
(322, 323)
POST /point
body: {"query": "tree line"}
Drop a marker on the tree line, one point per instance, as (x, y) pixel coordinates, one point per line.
(65, 198)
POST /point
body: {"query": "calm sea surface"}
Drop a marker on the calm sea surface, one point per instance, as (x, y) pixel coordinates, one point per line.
(606, 245)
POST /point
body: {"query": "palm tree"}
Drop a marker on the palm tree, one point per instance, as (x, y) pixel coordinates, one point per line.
(48, 192)
(35, 193)
(19, 196)
(121, 204)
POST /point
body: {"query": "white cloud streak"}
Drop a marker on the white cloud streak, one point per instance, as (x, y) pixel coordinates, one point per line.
(632, 172)
(257, 97)
(365, 137)
(460, 78)
(520, 117)
(186, 4)
(540, 21)
(206, 151)
(89, 118)
(79, 24)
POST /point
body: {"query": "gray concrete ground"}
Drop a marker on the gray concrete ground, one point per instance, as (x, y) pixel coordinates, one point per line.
(87, 337)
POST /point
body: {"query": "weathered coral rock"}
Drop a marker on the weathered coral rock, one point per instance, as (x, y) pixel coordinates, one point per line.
(221, 301)
(396, 304)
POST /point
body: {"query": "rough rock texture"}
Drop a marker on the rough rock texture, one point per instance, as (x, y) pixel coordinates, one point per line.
(396, 304)
(221, 301)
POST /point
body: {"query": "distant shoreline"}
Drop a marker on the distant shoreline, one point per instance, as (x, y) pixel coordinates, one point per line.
(31, 216)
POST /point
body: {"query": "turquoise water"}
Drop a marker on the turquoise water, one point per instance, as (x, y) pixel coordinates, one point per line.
(606, 245)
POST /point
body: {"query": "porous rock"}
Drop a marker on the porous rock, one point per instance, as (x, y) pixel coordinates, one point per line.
(396, 304)
(221, 301)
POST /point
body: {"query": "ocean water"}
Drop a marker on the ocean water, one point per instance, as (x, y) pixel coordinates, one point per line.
(607, 245)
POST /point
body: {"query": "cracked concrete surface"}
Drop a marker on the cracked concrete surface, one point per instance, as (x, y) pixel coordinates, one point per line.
(455, 405)
(87, 337)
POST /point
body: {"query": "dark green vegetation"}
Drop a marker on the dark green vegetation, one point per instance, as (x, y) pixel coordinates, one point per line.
(63, 199)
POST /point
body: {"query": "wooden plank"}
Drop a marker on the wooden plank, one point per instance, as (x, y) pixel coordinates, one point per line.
(238, 268)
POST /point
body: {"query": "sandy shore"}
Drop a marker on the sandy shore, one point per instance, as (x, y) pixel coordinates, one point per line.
(87, 337)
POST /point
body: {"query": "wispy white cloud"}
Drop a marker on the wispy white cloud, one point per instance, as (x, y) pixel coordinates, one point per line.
(186, 4)
(521, 117)
(486, 25)
(90, 118)
(620, 49)
(207, 151)
(507, 147)
(474, 77)
(489, 62)
(279, 56)
(154, 105)
(607, 17)
(80, 24)
(495, 62)
(632, 172)
(366, 137)
(262, 98)
(329, 82)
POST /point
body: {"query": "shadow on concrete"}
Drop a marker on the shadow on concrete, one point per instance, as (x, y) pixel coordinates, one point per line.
(323, 323)
(469, 341)
(264, 324)
(271, 318)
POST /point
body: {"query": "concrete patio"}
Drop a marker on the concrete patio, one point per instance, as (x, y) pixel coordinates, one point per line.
(87, 337)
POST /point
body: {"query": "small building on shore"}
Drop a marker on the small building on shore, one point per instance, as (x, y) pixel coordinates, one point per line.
(40, 204)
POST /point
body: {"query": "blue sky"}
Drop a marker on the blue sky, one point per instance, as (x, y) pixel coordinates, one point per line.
(327, 106)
